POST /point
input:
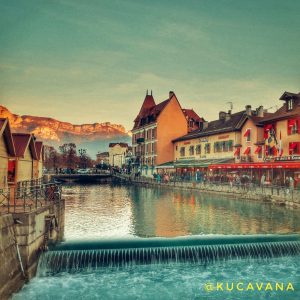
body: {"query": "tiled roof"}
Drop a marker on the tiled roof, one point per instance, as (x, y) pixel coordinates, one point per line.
(192, 114)
(234, 123)
(22, 141)
(6, 132)
(123, 145)
(283, 113)
(152, 112)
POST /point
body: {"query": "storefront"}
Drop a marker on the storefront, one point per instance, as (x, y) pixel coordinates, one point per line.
(280, 167)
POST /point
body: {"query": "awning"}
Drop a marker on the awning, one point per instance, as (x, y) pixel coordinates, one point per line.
(258, 150)
(167, 165)
(247, 133)
(247, 151)
(291, 123)
(200, 163)
(237, 151)
(265, 165)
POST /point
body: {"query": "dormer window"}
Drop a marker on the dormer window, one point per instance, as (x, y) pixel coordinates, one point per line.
(289, 104)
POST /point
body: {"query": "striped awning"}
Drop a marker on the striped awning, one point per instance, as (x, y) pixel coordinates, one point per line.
(201, 163)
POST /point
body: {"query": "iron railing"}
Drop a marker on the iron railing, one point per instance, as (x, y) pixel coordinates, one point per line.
(27, 198)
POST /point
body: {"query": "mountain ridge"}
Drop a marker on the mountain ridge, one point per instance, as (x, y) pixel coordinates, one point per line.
(54, 132)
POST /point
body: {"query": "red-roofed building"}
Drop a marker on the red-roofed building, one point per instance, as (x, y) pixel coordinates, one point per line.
(7, 154)
(193, 120)
(25, 156)
(155, 126)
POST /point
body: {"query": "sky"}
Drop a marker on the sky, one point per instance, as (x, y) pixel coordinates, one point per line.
(92, 61)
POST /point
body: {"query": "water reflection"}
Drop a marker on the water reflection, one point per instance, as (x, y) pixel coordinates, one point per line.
(94, 211)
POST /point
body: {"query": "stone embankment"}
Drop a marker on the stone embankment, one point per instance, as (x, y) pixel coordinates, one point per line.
(277, 195)
(23, 236)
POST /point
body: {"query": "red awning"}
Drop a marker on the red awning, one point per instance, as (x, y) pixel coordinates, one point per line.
(247, 133)
(237, 151)
(258, 150)
(265, 165)
(247, 151)
(268, 126)
(291, 123)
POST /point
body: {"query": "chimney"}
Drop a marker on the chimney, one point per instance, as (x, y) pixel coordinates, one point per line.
(248, 110)
(228, 116)
(222, 115)
(205, 124)
(260, 111)
(171, 93)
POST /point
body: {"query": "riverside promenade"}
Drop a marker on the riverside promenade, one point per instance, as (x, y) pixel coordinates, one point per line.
(274, 194)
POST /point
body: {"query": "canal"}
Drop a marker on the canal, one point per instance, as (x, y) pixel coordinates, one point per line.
(95, 212)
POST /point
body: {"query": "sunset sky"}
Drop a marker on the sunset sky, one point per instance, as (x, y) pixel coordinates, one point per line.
(92, 61)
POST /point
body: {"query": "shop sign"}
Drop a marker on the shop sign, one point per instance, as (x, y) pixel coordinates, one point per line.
(288, 158)
(203, 140)
(223, 137)
(186, 143)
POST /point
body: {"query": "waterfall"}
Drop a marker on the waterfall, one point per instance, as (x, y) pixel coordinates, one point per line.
(74, 256)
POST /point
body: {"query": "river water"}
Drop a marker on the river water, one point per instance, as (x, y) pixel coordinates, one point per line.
(95, 211)
(113, 211)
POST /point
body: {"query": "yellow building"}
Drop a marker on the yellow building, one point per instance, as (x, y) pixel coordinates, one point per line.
(7, 153)
(215, 143)
(117, 153)
(25, 156)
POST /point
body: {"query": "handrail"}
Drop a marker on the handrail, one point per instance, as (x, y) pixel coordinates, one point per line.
(27, 198)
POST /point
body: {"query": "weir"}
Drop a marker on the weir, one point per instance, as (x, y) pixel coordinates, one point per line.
(73, 256)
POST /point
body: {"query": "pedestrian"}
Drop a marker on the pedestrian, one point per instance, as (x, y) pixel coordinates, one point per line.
(262, 182)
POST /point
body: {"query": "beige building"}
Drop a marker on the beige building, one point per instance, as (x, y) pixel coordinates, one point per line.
(117, 153)
(7, 153)
(25, 156)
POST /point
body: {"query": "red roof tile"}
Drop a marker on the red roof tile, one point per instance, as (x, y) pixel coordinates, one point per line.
(22, 141)
(5, 130)
(190, 113)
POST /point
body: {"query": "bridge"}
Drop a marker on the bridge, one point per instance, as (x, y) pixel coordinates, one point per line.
(88, 178)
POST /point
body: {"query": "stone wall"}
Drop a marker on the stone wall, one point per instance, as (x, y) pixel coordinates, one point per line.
(28, 229)
(11, 277)
(267, 194)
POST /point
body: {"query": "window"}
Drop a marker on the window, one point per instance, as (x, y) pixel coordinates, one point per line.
(293, 126)
(247, 135)
(153, 133)
(198, 149)
(290, 104)
(207, 148)
(294, 148)
(191, 150)
(182, 151)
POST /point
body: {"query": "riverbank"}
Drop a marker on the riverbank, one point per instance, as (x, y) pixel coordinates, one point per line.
(23, 236)
(277, 196)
